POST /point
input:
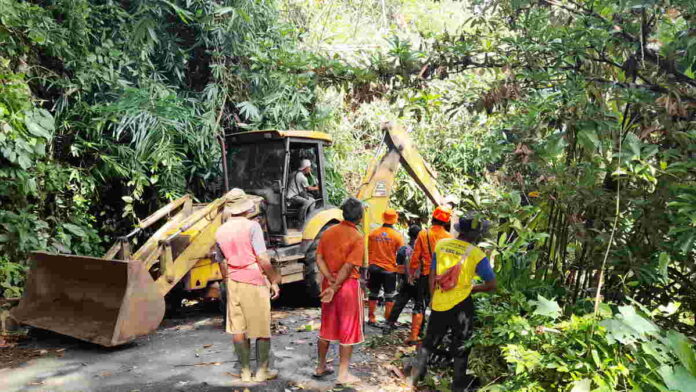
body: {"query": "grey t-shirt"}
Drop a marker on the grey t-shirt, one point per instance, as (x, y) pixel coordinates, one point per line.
(257, 241)
(297, 185)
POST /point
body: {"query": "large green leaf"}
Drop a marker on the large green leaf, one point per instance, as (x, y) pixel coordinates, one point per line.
(588, 138)
(546, 307)
(682, 348)
(618, 331)
(631, 146)
(40, 123)
(677, 379)
(628, 327)
(74, 229)
(583, 385)
(640, 324)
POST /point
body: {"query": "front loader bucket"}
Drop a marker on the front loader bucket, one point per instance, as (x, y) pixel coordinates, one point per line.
(107, 302)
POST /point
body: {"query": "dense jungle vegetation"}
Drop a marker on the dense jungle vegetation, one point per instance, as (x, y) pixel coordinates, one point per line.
(569, 123)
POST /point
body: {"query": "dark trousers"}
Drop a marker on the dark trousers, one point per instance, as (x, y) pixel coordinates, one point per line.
(459, 323)
(381, 279)
(306, 205)
(418, 292)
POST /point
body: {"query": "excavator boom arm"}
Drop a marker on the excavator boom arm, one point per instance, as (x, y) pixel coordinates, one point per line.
(379, 178)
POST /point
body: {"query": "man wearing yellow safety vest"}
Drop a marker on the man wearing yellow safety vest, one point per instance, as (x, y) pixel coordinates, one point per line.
(455, 263)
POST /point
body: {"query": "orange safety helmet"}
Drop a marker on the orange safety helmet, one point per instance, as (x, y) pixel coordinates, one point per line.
(442, 213)
(390, 216)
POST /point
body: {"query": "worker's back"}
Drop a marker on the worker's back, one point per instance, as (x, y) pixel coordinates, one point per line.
(425, 246)
(382, 245)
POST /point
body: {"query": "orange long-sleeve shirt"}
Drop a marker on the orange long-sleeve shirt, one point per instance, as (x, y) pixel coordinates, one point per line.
(421, 252)
(382, 245)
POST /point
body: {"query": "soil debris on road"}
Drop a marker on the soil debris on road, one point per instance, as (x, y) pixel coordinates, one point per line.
(192, 351)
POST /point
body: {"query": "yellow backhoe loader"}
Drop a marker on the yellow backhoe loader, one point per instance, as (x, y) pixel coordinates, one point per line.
(114, 299)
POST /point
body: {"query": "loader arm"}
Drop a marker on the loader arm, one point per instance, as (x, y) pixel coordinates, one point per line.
(114, 299)
(396, 149)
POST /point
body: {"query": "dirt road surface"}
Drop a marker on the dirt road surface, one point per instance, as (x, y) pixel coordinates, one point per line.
(189, 352)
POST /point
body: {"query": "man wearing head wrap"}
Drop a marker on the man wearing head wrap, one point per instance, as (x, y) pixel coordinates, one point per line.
(407, 292)
(299, 188)
(419, 267)
(339, 257)
(455, 264)
(251, 284)
(382, 246)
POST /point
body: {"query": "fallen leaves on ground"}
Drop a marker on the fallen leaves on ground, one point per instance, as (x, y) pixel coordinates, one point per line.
(386, 355)
(13, 356)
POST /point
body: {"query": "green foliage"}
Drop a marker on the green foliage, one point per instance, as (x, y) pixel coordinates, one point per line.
(577, 353)
(542, 116)
(43, 203)
(570, 124)
(108, 110)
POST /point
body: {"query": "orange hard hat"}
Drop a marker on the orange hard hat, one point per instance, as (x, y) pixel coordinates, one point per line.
(442, 213)
(390, 216)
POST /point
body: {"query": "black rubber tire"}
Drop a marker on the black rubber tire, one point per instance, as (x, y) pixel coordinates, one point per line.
(173, 299)
(312, 276)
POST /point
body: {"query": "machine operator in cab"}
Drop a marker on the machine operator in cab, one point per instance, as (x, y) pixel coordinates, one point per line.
(382, 245)
(299, 189)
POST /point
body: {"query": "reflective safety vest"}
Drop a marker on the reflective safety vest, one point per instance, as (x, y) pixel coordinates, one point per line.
(448, 252)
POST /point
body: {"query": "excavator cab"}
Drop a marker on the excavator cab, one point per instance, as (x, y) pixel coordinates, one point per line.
(263, 163)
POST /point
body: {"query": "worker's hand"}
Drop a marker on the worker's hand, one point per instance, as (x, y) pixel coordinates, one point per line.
(413, 276)
(275, 291)
(331, 279)
(327, 295)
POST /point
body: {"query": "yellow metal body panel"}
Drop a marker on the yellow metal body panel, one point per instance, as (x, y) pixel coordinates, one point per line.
(200, 228)
(292, 238)
(277, 134)
(202, 273)
(314, 225)
(377, 187)
(199, 245)
(426, 178)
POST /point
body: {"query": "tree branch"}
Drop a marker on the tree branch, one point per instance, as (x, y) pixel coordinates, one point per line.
(663, 64)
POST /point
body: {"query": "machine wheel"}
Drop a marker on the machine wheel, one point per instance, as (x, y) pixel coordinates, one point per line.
(173, 300)
(312, 276)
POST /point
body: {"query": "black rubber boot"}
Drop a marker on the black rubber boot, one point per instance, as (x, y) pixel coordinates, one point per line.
(462, 382)
(388, 328)
(419, 366)
(243, 351)
(263, 361)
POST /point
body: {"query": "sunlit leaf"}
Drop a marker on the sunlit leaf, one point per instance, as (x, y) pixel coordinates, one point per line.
(545, 307)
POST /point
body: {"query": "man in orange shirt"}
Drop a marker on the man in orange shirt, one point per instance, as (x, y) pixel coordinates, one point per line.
(339, 257)
(382, 245)
(419, 267)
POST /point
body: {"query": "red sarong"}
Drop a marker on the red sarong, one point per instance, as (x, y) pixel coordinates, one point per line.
(342, 318)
